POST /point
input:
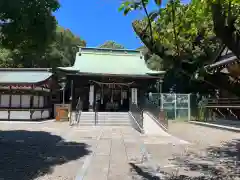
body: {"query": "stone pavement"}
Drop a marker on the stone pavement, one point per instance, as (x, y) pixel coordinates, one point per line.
(115, 149)
(50, 151)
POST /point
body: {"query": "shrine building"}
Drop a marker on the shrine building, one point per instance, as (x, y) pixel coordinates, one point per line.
(107, 79)
(100, 80)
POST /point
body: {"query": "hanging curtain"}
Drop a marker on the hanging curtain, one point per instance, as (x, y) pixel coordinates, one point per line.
(121, 96)
(112, 96)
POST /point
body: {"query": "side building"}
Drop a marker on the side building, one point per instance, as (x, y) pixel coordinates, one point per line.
(25, 94)
(226, 104)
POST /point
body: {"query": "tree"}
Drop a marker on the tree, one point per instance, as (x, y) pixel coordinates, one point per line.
(182, 36)
(225, 14)
(61, 52)
(111, 45)
(27, 24)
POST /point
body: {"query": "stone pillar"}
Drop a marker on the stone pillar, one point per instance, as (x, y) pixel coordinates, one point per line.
(160, 99)
(134, 96)
(91, 97)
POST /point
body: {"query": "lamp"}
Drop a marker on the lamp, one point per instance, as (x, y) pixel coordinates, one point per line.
(63, 85)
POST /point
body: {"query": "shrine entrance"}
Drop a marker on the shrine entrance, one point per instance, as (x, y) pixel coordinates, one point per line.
(112, 97)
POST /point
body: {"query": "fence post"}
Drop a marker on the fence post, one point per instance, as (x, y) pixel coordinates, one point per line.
(189, 107)
(161, 95)
(175, 106)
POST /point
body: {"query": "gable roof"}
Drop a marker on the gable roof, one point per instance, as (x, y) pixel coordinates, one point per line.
(110, 61)
(24, 75)
(226, 57)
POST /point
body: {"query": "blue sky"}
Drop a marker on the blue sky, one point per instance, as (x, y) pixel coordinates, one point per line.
(97, 21)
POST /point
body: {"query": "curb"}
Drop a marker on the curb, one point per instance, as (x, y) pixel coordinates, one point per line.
(27, 122)
(228, 128)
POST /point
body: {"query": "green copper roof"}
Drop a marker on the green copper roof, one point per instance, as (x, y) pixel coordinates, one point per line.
(108, 61)
(23, 75)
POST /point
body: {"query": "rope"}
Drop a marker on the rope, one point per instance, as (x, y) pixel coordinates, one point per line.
(113, 83)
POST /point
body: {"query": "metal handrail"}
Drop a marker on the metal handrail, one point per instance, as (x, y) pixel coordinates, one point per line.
(137, 113)
(137, 117)
(77, 114)
(78, 111)
(96, 114)
(224, 98)
(223, 101)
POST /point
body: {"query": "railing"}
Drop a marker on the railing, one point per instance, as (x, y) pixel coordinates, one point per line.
(137, 114)
(213, 109)
(223, 103)
(77, 113)
(158, 113)
(96, 108)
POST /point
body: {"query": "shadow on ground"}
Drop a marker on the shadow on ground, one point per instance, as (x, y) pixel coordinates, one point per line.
(142, 172)
(26, 155)
(221, 162)
(213, 163)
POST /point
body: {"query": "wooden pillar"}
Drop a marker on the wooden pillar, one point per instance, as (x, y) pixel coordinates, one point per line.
(160, 85)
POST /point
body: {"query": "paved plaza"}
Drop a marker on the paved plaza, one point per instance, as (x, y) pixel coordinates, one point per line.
(50, 151)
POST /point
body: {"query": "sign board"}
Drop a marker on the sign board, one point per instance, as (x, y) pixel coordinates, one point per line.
(61, 112)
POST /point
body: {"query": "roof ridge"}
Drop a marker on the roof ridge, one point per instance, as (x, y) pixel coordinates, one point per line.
(26, 69)
(108, 49)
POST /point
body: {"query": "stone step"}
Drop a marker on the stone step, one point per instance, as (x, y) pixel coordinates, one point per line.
(92, 119)
(104, 119)
(105, 124)
(83, 115)
(123, 119)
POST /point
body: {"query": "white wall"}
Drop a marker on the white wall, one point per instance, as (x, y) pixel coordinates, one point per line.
(5, 100)
(38, 101)
(26, 101)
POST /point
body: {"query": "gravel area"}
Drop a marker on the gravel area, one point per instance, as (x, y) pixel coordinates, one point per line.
(200, 135)
(213, 153)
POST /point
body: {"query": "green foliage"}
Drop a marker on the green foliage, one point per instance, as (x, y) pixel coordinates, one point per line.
(61, 52)
(111, 45)
(27, 24)
(180, 40)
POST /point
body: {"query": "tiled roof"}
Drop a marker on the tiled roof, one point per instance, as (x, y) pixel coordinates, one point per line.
(109, 61)
(23, 75)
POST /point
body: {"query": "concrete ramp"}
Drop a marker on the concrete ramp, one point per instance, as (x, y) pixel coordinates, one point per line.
(152, 127)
